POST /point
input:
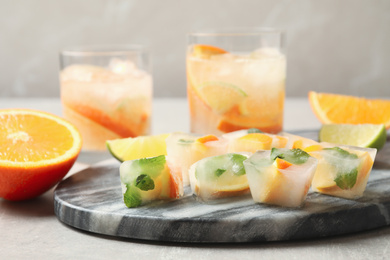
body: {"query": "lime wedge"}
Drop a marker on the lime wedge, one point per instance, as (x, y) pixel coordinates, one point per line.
(221, 96)
(364, 135)
(125, 149)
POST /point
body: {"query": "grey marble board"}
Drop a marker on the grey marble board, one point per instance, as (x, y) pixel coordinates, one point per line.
(91, 200)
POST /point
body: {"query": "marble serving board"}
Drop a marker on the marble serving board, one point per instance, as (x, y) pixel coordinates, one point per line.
(91, 200)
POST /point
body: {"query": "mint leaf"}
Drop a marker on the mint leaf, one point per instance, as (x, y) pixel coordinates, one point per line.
(254, 130)
(153, 165)
(132, 198)
(346, 172)
(238, 163)
(144, 182)
(337, 151)
(219, 172)
(185, 141)
(346, 180)
(294, 156)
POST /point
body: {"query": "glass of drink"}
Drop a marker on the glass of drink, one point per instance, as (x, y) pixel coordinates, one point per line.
(106, 92)
(236, 80)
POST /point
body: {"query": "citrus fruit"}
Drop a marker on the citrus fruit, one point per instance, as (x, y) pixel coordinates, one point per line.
(220, 96)
(207, 138)
(37, 150)
(125, 149)
(219, 176)
(257, 137)
(282, 164)
(148, 179)
(342, 109)
(227, 124)
(252, 142)
(94, 134)
(324, 180)
(364, 135)
(111, 121)
(206, 51)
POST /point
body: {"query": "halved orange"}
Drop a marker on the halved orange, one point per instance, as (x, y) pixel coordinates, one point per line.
(37, 150)
(343, 109)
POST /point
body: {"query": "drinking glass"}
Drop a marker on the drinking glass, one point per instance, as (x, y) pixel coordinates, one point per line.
(236, 80)
(106, 92)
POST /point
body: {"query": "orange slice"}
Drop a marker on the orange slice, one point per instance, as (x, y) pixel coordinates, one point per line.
(258, 137)
(227, 125)
(281, 141)
(282, 164)
(206, 51)
(207, 138)
(313, 148)
(117, 125)
(342, 109)
(37, 150)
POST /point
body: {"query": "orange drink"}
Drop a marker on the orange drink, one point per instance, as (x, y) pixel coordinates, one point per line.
(106, 92)
(236, 80)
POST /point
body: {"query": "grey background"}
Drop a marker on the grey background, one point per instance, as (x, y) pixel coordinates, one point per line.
(332, 46)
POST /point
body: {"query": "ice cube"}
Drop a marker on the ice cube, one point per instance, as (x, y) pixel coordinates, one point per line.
(184, 149)
(219, 176)
(342, 171)
(82, 72)
(244, 141)
(269, 184)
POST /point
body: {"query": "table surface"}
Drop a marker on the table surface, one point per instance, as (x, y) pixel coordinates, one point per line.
(29, 229)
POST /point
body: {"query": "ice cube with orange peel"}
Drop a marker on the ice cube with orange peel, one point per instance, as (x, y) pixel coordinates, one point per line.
(37, 151)
(251, 140)
(280, 177)
(342, 171)
(183, 150)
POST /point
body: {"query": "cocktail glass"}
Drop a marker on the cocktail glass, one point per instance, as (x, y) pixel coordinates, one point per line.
(236, 80)
(106, 92)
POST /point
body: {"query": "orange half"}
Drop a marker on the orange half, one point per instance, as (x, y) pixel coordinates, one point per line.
(37, 150)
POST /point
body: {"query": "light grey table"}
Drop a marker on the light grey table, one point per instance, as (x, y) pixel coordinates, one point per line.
(30, 230)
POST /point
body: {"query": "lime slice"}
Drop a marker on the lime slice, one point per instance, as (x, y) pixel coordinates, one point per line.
(221, 96)
(125, 149)
(364, 135)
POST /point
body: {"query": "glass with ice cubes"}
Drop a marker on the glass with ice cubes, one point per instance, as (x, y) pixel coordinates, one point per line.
(236, 80)
(106, 92)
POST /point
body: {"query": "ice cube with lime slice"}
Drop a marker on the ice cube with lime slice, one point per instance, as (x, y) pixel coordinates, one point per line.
(219, 176)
